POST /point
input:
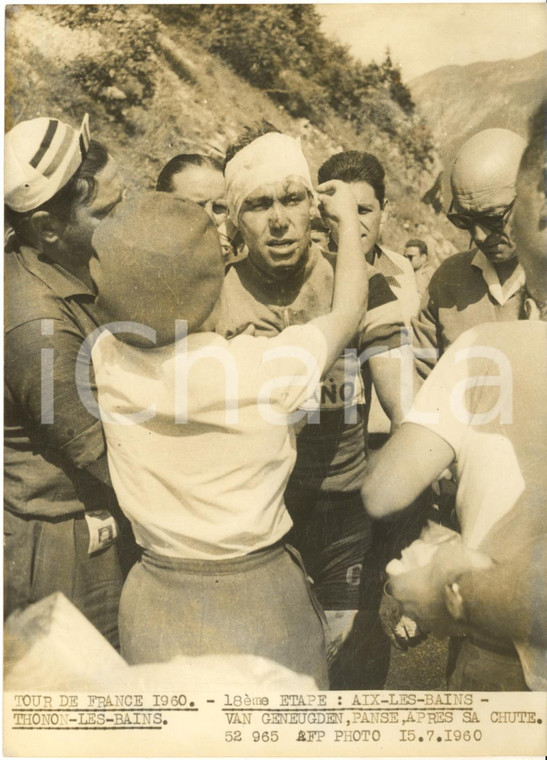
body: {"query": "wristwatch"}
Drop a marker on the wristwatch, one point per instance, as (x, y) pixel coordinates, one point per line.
(454, 601)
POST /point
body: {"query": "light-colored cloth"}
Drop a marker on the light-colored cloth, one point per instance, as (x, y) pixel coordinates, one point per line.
(488, 400)
(271, 158)
(210, 487)
(400, 277)
(462, 295)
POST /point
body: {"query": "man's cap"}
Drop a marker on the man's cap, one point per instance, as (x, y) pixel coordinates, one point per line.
(41, 155)
(157, 259)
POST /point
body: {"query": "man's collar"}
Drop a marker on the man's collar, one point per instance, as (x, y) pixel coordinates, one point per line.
(501, 293)
(389, 267)
(61, 281)
(480, 261)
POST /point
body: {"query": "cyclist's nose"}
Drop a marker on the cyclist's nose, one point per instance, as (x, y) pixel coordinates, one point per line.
(278, 216)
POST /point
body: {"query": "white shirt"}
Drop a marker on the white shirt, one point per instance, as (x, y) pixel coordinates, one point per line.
(202, 473)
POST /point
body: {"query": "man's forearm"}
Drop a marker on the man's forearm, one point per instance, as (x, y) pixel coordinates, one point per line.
(392, 377)
(417, 456)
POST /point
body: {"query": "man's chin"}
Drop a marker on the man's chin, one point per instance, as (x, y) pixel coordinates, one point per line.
(283, 269)
(499, 256)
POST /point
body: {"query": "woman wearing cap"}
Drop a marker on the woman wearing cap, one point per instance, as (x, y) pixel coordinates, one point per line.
(200, 447)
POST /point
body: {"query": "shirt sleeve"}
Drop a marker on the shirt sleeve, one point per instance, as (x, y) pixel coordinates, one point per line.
(383, 327)
(454, 393)
(41, 379)
(291, 366)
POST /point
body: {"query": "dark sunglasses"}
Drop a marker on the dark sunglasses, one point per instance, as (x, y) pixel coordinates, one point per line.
(492, 222)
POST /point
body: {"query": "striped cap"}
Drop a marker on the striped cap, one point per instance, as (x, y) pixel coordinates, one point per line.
(40, 157)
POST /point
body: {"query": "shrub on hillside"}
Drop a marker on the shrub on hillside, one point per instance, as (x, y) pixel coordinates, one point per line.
(279, 49)
(282, 50)
(301, 97)
(124, 75)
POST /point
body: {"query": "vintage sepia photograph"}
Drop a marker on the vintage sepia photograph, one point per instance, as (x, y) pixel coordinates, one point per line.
(275, 349)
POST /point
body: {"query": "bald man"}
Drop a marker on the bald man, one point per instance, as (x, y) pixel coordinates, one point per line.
(486, 282)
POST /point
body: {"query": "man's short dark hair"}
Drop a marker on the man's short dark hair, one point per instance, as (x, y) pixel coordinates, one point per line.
(80, 190)
(179, 163)
(251, 133)
(417, 243)
(355, 166)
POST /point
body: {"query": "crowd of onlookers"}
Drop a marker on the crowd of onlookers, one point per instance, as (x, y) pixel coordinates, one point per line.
(190, 453)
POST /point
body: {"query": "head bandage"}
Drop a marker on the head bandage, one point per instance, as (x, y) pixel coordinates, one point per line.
(268, 159)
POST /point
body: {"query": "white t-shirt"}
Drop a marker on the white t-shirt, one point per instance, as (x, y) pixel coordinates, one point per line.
(200, 446)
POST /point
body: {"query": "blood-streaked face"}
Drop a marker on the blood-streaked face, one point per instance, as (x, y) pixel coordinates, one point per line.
(275, 223)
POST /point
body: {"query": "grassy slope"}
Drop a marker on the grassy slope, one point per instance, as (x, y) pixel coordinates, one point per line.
(199, 105)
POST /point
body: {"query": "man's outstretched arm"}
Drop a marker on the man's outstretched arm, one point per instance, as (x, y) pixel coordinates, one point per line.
(410, 461)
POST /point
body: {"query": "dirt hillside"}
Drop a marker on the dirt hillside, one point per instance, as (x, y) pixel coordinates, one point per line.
(152, 91)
